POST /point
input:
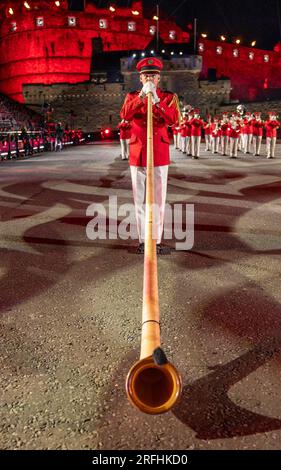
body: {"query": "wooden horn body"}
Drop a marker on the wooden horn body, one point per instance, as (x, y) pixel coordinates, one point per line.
(152, 388)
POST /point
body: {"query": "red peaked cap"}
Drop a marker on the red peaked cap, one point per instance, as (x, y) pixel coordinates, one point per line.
(149, 65)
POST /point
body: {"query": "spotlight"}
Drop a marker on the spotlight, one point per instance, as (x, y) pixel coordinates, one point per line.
(134, 56)
(172, 53)
(143, 54)
(155, 17)
(253, 43)
(204, 35)
(163, 51)
(238, 41)
(112, 8)
(27, 6)
(181, 53)
(57, 3)
(223, 38)
(135, 12)
(151, 52)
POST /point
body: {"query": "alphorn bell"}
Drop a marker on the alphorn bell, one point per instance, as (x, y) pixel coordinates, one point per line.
(153, 384)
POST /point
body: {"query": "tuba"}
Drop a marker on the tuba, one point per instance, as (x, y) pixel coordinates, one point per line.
(153, 384)
(241, 109)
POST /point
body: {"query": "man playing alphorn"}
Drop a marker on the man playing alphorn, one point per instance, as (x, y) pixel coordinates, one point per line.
(165, 113)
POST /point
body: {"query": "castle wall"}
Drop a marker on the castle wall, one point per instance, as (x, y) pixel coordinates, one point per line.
(98, 105)
(253, 72)
(57, 52)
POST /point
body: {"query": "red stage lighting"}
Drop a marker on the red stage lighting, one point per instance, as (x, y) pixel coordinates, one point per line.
(105, 133)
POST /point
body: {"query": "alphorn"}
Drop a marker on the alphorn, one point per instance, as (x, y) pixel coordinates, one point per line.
(153, 384)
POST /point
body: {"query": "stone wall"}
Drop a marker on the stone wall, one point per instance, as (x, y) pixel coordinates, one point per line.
(91, 106)
(263, 106)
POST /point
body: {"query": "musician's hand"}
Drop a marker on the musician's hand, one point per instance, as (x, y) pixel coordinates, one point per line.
(149, 87)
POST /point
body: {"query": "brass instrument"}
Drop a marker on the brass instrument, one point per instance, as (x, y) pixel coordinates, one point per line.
(153, 384)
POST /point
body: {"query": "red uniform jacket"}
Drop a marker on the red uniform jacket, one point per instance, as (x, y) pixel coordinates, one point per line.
(224, 129)
(164, 114)
(184, 128)
(216, 132)
(234, 132)
(175, 130)
(125, 129)
(248, 126)
(271, 128)
(207, 128)
(196, 126)
(258, 127)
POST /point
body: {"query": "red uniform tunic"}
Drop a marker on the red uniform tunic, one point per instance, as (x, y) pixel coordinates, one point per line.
(224, 129)
(196, 126)
(216, 130)
(257, 127)
(248, 127)
(183, 129)
(164, 114)
(125, 129)
(234, 132)
(271, 127)
(207, 128)
(175, 130)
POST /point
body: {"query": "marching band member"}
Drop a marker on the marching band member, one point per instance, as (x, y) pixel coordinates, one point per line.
(125, 135)
(196, 131)
(224, 128)
(176, 130)
(165, 113)
(258, 125)
(183, 133)
(208, 131)
(234, 134)
(188, 133)
(216, 133)
(248, 132)
(271, 126)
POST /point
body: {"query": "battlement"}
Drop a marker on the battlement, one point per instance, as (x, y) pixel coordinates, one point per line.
(51, 44)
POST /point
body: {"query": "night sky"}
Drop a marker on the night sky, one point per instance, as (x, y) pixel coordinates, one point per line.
(249, 19)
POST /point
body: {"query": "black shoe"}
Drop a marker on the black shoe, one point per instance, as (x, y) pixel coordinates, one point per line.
(140, 249)
(163, 250)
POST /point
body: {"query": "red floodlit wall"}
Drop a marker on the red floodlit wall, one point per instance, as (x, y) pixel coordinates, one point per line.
(56, 52)
(251, 70)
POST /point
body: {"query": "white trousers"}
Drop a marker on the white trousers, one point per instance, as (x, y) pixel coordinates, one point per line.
(270, 145)
(208, 142)
(125, 148)
(224, 144)
(185, 145)
(215, 144)
(175, 141)
(178, 141)
(195, 145)
(257, 144)
(233, 146)
(138, 175)
(247, 142)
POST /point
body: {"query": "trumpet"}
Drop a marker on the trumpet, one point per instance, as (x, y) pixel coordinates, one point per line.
(153, 384)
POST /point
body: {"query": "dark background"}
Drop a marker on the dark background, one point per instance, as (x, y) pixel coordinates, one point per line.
(250, 19)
